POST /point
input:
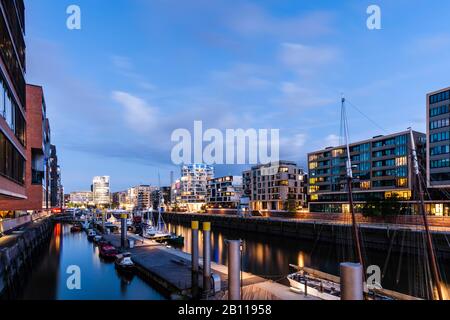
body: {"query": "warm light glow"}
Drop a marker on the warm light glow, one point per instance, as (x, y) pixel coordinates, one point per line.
(301, 259)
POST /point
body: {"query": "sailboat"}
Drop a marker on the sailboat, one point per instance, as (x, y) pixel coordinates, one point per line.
(326, 286)
(157, 229)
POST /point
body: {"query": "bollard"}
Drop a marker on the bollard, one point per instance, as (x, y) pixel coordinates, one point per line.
(195, 249)
(352, 286)
(206, 258)
(234, 270)
(123, 233)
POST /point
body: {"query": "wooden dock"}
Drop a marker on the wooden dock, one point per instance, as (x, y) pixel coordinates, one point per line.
(171, 269)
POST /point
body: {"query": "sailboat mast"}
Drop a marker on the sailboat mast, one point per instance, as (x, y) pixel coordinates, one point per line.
(355, 229)
(430, 247)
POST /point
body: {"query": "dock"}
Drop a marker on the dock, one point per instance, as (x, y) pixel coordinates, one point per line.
(170, 269)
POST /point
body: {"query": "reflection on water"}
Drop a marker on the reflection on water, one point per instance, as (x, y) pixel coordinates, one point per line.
(99, 280)
(270, 256)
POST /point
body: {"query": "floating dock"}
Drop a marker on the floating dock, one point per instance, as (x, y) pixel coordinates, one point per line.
(171, 269)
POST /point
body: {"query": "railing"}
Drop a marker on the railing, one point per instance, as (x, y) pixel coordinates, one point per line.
(10, 224)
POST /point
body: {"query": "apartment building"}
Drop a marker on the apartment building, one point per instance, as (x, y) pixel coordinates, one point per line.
(194, 185)
(37, 173)
(13, 138)
(81, 199)
(278, 186)
(101, 191)
(224, 192)
(382, 166)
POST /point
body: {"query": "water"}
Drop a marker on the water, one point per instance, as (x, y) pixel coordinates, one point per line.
(270, 256)
(99, 280)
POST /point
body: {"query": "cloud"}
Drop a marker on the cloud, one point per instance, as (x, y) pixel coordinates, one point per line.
(332, 140)
(243, 77)
(139, 116)
(252, 20)
(295, 95)
(306, 60)
(125, 67)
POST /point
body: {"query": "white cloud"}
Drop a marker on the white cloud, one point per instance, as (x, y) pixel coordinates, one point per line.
(138, 115)
(251, 20)
(332, 140)
(306, 60)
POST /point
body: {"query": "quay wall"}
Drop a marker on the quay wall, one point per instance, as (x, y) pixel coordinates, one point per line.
(17, 259)
(388, 237)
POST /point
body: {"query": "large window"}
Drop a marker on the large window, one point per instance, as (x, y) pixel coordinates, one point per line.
(10, 111)
(440, 150)
(439, 110)
(442, 163)
(439, 123)
(12, 164)
(441, 136)
(440, 97)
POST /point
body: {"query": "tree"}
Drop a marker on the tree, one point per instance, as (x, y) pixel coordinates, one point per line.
(372, 208)
(375, 207)
(290, 205)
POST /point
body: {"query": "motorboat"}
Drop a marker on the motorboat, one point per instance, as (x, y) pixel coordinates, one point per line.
(91, 234)
(108, 252)
(124, 263)
(97, 239)
(75, 228)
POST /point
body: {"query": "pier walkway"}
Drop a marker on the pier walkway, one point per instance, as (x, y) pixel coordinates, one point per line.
(171, 269)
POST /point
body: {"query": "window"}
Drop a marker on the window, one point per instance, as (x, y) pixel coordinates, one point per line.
(440, 150)
(12, 164)
(439, 110)
(442, 96)
(439, 123)
(402, 172)
(442, 163)
(440, 136)
(403, 161)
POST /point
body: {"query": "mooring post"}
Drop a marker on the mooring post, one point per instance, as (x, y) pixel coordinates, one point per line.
(234, 269)
(123, 234)
(195, 255)
(206, 258)
(352, 286)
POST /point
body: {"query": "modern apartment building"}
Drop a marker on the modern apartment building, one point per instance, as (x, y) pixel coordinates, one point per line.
(37, 176)
(278, 186)
(382, 167)
(194, 184)
(140, 197)
(120, 200)
(224, 192)
(13, 155)
(438, 132)
(81, 199)
(101, 191)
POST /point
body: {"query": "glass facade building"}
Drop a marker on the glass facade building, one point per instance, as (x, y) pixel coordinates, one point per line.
(381, 166)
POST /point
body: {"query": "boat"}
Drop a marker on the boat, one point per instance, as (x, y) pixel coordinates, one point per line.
(124, 263)
(108, 252)
(97, 239)
(75, 228)
(327, 287)
(91, 234)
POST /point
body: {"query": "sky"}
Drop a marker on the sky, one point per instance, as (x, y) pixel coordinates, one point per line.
(139, 69)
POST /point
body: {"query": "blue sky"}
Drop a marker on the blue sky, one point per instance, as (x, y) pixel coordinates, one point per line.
(137, 70)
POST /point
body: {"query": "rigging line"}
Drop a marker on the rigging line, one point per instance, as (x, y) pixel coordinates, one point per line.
(367, 117)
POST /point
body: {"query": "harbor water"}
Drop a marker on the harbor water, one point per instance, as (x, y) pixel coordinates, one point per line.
(99, 280)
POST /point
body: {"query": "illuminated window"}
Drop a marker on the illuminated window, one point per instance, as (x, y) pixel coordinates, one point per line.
(312, 165)
(313, 157)
(365, 185)
(402, 183)
(313, 189)
(313, 181)
(337, 153)
(314, 197)
(283, 170)
(403, 161)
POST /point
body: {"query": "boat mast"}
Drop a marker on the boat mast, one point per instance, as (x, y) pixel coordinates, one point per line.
(430, 247)
(355, 229)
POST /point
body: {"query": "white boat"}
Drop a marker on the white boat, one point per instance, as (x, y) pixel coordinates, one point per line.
(302, 283)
